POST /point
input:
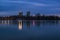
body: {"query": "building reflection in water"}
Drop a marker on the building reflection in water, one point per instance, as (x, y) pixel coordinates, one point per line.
(37, 23)
(8, 22)
(2, 21)
(5, 21)
(28, 23)
(33, 22)
(20, 24)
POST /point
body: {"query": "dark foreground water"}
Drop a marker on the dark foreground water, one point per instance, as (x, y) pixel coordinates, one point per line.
(29, 30)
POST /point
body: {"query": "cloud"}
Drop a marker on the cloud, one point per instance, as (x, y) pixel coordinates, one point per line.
(9, 13)
(57, 9)
(44, 3)
(25, 2)
(34, 6)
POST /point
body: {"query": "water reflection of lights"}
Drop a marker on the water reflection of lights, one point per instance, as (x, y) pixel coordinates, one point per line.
(8, 21)
(20, 24)
(33, 23)
(5, 22)
(2, 21)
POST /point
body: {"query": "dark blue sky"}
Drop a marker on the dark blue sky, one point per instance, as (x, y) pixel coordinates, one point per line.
(12, 7)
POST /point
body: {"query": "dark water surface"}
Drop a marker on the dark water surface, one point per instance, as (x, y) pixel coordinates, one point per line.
(29, 30)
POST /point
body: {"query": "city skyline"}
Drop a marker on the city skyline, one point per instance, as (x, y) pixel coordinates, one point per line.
(12, 7)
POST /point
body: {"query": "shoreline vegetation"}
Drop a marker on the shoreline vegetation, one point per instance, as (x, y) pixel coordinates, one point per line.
(30, 17)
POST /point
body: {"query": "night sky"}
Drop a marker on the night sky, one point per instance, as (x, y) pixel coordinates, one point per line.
(12, 7)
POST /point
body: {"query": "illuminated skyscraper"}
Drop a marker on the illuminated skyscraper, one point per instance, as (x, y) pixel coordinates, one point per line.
(28, 13)
(20, 13)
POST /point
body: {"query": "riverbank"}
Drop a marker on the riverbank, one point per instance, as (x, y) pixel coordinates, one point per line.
(30, 18)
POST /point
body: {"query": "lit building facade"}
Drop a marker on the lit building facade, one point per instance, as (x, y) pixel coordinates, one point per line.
(28, 13)
(20, 13)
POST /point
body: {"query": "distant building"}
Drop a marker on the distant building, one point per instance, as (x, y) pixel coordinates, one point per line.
(28, 13)
(20, 13)
(38, 14)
